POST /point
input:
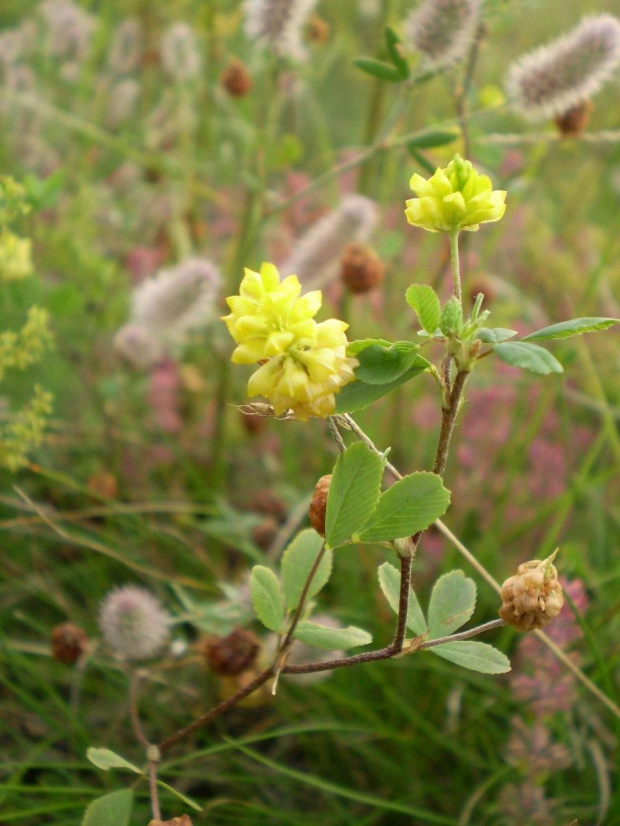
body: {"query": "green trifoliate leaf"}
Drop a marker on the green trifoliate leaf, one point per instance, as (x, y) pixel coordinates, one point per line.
(267, 598)
(297, 563)
(106, 760)
(477, 656)
(528, 356)
(453, 600)
(495, 335)
(112, 809)
(382, 365)
(332, 639)
(353, 492)
(574, 327)
(451, 319)
(409, 506)
(389, 581)
(425, 303)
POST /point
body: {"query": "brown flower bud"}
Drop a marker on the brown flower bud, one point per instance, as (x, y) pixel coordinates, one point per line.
(533, 597)
(236, 79)
(270, 504)
(317, 29)
(318, 505)
(361, 269)
(572, 122)
(231, 655)
(184, 820)
(103, 484)
(69, 642)
(264, 533)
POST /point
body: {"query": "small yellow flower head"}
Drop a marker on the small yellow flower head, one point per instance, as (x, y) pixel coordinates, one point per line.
(268, 316)
(454, 198)
(15, 256)
(303, 364)
(306, 378)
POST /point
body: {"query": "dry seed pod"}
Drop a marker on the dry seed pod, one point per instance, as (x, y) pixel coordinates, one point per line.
(69, 642)
(572, 122)
(317, 29)
(184, 820)
(265, 533)
(318, 505)
(533, 597)
(231, 655)
(361, 268)
(236, 79)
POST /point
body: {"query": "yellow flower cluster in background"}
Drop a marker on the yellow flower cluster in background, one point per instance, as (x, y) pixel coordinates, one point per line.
(454, 198)
(23, 428)
(303, 363)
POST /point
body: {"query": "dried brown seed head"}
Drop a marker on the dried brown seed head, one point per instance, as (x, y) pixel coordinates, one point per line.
(69, 642)
(236, 79)
(231, 655)
(317, 29)
(184, 820)
(318, 505)
(361, 268)
(572, 122)
(533, 597)
(264, 533)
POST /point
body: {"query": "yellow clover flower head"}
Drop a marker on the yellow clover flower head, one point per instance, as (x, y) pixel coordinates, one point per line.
(454, 198)
(303, 364)
(268, 316)
(15, 256)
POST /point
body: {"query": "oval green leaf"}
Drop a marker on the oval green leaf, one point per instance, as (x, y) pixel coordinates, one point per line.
(574, 327)
(381, 365)
(297, 563)
(358, 394)
(353, 493)
(409, 506)
(495, 335)
(332, 639)
(267, 597)
(477, 656)
(106, 760)
(529, 357)
(112, 809)
(425, 303)
(452, 603)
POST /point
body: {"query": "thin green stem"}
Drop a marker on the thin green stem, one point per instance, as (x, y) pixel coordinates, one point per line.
(456, 266)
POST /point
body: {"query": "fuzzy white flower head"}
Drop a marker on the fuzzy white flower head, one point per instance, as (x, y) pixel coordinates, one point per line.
(134, 624)
(552, 79)
(442, 29)
(122, 101)
(125, 47)
(278, 24)
(178, 299)
(69, 29)
(166, 308)
(179, 52)
(316, 255)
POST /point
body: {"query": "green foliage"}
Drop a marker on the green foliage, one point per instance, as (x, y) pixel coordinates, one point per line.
(106, 760)
(395, 71)
(297, 563)
(528, 356)
(267, 598)
(332, 639)
(433, 139)
(495, 335)
(383, 365)
(113, 809)
(574, 327)
(409, 506)
(425, 303)
(358, 394)
(451, 605)
(353, 493)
